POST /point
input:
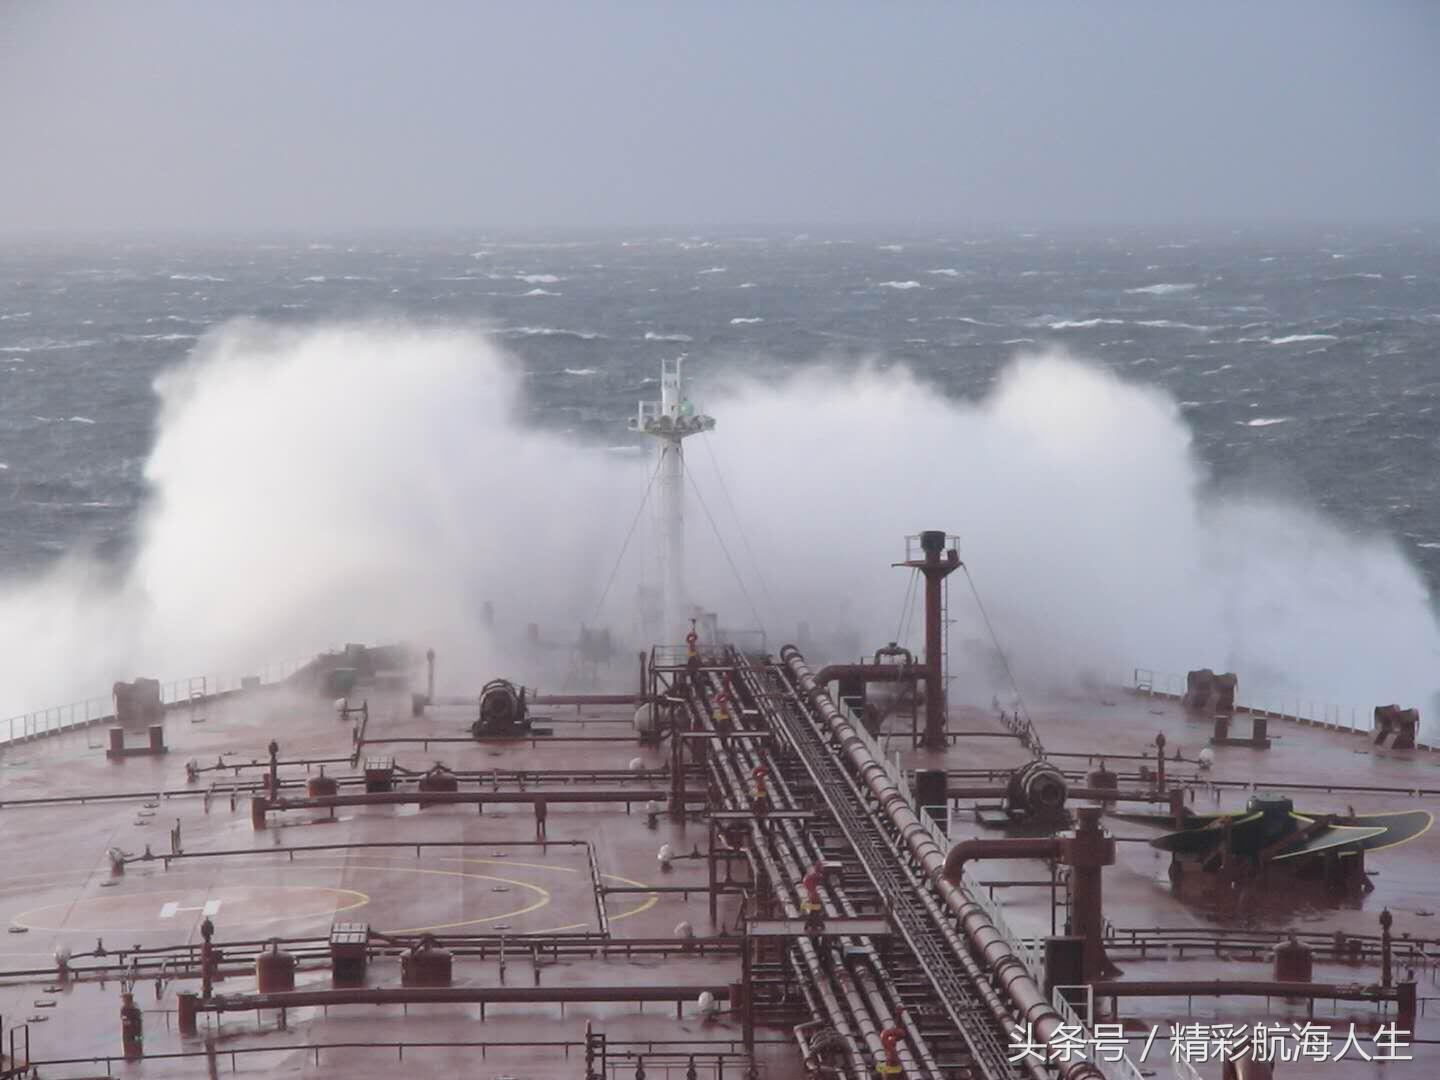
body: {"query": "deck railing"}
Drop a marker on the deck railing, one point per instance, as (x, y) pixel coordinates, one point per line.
(77, 714)
(1276, 705)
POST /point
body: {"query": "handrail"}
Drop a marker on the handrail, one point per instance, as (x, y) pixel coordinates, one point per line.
(1273, 705)
(77, 714)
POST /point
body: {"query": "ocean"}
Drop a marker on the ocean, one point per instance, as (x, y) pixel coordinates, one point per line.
(1304, 361)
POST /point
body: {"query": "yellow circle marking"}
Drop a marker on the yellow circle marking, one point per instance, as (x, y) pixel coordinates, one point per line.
(645, 904)
(544, 895)
(102, 901)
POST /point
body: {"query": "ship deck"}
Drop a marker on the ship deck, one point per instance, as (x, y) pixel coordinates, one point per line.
(477, 874)
(1157, 933)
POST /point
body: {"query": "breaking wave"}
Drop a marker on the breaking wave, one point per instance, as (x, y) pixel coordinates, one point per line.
(745, 320)
(899, 285)
(652, 335)
(49, 345)
(549, 331)
(1087, 521)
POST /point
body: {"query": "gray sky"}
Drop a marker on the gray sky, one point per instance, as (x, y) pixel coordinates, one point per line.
(262, 114)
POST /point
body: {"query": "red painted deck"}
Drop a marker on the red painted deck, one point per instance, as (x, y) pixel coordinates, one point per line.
(60, 894)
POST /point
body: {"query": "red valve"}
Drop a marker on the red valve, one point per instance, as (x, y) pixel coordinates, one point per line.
(812, 881)
(759, 795)
(890, 1039)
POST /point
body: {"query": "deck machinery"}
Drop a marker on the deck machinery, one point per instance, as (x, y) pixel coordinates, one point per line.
(813, 909)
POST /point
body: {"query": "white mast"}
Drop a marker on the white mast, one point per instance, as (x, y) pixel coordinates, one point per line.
(670, 420)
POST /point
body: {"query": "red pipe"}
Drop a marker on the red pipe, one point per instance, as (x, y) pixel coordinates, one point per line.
(1243, 988)
(456, 995)
(584, 699)
(870, 672)
(1047, 847)
(381, 798)
(260, 806)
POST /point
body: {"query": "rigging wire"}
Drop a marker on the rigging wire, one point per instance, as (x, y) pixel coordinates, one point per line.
(726, 551)
(1004, 660)
(905, 609)
(914, 610)
(744, 538)
(629, 536)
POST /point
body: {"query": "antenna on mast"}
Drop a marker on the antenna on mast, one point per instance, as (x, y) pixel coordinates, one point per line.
(670, 421)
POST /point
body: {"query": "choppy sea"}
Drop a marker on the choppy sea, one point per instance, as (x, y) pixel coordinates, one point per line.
(1306, 360)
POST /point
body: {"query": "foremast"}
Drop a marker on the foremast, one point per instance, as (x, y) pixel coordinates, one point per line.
(670, 421)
